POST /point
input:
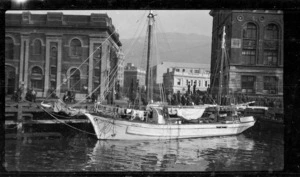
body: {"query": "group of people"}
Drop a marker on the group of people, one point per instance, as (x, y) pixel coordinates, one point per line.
(198, 98)
(69, 97)
(187, 99)
(29, 96)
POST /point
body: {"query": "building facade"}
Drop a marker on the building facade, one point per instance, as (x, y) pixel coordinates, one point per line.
(179, 79)
(134, 78)
(254, 52)
(184, 71)
(60, 52)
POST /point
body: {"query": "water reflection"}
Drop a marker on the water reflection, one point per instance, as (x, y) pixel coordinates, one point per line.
(167, 155)
(245, 152)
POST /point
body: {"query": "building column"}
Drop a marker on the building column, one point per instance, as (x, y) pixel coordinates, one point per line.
(58, 72)
(58, 40)
(47, 67)
(104, 70)
(24, 59)
(91, 63)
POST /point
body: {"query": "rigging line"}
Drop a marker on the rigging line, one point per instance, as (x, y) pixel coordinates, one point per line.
(89, 71)
(157, 61)
(111, 84)
(68, 124)
(82, 63)
(136, 38)
(97, 62)
(144, 57)
(164, 35)
(215, 72)
(60, 120)
(103, 82)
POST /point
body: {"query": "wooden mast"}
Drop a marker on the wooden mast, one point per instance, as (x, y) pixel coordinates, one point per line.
(221, 67)
(150, 23)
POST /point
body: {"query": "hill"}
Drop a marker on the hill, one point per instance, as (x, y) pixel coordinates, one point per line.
(174, 47)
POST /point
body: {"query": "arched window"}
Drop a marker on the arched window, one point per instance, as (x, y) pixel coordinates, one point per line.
(9, 48)
(37, 78)
(37, 71)
(271, 42)
(75, 79)
(249, 44)
(37, 47)
(10, 79)
(75, 47)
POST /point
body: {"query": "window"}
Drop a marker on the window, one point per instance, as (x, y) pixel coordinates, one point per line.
(75, 79)
(178, 81)
(177, 70)
(195, 82)
(248, 84)
(97, 72)
(183, 70)
(205, 83)
(75, 47)
(97, 49)
(249, 44)
(249, 56)
(53, 53)
(53, 70)
(36, 71)
(53, 84)
(270, 44)
(270, 84)
(96, 85)
(271, 32)
(37, 84)
(270, 57)
(37, 47)
(199, 83)
(9, 48)
(37, 78)
(197, 71)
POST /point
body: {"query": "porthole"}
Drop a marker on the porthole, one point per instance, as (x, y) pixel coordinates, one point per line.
(262, 18)
(240, 18)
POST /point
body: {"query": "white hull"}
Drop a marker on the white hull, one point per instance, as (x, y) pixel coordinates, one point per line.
(108, 128)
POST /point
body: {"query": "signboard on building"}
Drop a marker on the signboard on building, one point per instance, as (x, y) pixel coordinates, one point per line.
(235, 43)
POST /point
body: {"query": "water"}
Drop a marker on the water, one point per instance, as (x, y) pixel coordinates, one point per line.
(250, 151)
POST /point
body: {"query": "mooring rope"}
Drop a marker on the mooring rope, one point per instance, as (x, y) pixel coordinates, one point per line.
(59, 119)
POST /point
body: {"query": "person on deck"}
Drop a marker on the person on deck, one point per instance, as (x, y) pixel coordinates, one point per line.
(65, 97)
(33, 94)
(183, 100)
(28, 95)
(93, 97)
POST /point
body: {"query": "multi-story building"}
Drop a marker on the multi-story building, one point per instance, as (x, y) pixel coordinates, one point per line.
(184, 68)
(134, 78)
(60, 52)
(254, 52)
(179, 79)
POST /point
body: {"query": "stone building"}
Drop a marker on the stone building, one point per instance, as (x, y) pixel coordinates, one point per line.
(254, 47)
(183, 69)
(134, 77)
(43, 52)
(178, 79)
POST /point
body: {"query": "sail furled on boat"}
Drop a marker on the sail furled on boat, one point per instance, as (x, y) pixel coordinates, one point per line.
(187, 113)
(60, 106)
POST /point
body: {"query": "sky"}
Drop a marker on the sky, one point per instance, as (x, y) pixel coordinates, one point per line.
(127, 21)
